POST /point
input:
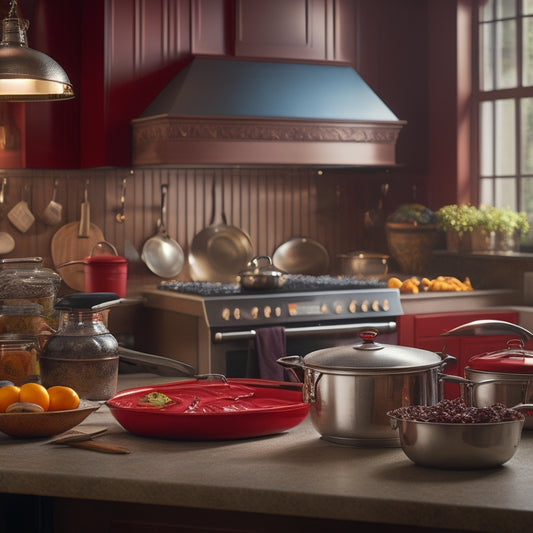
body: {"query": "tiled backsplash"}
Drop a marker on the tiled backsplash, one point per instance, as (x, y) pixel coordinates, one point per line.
(270, 204)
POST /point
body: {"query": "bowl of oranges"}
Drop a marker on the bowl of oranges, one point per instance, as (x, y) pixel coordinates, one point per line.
(30, 410)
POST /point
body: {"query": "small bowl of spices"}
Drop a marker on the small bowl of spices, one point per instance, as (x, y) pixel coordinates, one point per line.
(452, 435)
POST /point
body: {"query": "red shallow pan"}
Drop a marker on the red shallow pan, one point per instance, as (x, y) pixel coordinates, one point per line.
(210, 410)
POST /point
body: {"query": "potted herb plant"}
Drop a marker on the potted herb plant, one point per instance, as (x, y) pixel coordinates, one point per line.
(509, 226)
(458, 222)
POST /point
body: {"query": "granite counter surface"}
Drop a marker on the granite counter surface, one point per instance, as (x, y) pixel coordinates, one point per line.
(291, 474)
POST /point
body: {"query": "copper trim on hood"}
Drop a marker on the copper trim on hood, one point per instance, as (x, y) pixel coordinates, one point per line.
(221, 111)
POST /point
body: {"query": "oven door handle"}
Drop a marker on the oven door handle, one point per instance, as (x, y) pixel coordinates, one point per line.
(382, 327)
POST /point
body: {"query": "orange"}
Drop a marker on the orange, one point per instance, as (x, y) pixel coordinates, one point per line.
(63, 398)
(34, 393)
(8, 395)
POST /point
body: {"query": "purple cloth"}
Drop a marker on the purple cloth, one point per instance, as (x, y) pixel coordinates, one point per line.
(270, 345)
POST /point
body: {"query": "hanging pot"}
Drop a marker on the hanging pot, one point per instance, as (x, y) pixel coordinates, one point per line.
(502, 376)
(350, 389)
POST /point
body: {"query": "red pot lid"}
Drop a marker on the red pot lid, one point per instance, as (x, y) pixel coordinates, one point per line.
(104, 258)
(514, 360)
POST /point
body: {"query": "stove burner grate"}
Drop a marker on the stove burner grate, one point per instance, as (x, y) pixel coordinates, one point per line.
(294, 283)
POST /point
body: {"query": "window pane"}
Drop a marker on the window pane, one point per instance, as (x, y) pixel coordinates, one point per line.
(485, 192)
(487, 139)
(527, 51)
(527, 7)
(526, 194)
(506, 8)
(526, 135)
(505, 138)
(505, 190)
(486, 10)
(506, 72)
(486, 64)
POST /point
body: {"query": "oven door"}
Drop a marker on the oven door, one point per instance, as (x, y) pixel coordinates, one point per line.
(233, 352)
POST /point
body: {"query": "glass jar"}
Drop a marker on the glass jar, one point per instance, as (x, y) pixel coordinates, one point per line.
(24, 281)
(82, 354)
(19, 359)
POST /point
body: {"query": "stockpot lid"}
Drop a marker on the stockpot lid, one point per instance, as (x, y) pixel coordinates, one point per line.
(370, 356)
(513, 360)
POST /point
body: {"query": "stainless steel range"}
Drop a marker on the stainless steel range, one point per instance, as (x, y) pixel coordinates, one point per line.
(213, 326)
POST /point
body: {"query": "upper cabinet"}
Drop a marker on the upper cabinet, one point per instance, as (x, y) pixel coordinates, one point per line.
(299, 29)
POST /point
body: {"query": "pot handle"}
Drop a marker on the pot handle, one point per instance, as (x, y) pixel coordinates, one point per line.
(104, 243)
(68, 263)
(156, 361)
(489, 328)
(291, 361)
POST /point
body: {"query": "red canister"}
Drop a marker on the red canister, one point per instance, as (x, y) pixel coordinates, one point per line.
(106, 272)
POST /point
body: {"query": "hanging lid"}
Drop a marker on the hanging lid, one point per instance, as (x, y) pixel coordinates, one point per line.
(371, 357)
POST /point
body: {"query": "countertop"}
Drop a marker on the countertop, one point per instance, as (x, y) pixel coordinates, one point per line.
(291, 474)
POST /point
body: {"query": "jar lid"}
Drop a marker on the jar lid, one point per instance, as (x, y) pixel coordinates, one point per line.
(370, 356)
(513, 360)
(26, 278)
(86, 300)
(104, 258)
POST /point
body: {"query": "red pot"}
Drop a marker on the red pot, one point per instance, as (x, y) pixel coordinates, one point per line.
(104, 272)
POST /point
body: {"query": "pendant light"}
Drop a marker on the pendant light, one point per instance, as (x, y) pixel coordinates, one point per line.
(27, 75)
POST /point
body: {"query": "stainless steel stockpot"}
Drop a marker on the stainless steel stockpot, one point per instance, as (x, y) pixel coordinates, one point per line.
(350, 389)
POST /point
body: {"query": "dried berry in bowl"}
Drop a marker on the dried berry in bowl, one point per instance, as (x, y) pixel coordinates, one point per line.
(456, 412)
(451, 435)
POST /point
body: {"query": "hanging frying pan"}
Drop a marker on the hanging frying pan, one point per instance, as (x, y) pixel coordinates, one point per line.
(301, 255)
(220, 251)
(162, 254)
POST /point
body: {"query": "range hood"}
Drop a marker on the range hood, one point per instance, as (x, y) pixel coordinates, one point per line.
(227, 111)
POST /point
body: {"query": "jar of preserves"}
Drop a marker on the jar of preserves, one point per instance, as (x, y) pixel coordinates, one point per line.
(26, 282)
(19, 359)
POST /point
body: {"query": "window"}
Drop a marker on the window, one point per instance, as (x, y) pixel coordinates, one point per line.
(503, 30)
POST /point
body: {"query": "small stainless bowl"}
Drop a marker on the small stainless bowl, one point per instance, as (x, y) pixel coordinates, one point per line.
(458, 446)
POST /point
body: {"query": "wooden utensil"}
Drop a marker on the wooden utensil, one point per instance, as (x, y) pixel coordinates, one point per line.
(79, 439)
(73, 242)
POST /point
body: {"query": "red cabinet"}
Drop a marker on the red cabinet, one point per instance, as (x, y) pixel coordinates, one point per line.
(424, 331)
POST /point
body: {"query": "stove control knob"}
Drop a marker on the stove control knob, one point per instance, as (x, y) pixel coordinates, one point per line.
(324, 309)
(352, 306)
(237, 313)
(386, 305)
(277, 311)
(226, 314)
(267, 311)
(365, 306)
(337, 306)
(255, 312)
(375, 305)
